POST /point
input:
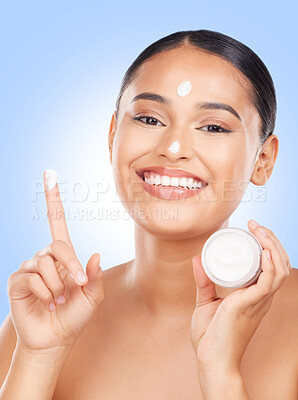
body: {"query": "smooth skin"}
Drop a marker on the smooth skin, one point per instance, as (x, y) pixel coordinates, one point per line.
(162, 321)
(40, 281)
(46, 334)
(222, 328)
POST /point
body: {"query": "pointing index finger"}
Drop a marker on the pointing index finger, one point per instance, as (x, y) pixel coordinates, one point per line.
(55, 211)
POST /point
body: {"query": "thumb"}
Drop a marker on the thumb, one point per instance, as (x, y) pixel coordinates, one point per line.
(94, 287)
(206, 292)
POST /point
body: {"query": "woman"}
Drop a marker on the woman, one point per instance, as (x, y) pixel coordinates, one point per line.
(193, 104)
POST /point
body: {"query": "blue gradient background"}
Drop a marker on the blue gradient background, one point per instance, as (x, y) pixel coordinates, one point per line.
(61, 68)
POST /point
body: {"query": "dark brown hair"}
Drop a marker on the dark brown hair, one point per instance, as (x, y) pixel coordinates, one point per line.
(242, 57)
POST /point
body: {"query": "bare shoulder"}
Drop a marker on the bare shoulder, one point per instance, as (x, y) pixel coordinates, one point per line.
(285, 301)
(284, 311)
(8, 339)
(293, 277)
(117, 269)
(114, 279)
(288, 292)
(285, 322)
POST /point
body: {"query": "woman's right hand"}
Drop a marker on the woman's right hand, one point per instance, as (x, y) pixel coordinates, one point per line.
(52, 273)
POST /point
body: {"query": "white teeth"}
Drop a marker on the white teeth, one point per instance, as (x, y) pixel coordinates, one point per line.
(174, 181)
(190, 182)
(165, 180)
(183, 181)
(155, 179)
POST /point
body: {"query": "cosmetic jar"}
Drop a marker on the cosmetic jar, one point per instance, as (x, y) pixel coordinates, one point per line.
(231, 257)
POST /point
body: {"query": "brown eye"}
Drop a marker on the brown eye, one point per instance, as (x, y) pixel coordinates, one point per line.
(217, 127)
(152, 121)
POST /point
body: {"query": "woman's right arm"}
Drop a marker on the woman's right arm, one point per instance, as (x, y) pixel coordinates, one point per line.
(47, 328)
(33, 375)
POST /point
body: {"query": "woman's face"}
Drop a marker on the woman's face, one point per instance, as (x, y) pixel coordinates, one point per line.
(224, 160)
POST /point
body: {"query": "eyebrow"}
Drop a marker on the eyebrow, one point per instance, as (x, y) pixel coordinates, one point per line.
(206, 105)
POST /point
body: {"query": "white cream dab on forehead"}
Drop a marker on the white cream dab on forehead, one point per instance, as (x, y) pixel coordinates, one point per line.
(174, 147)
(184, 88)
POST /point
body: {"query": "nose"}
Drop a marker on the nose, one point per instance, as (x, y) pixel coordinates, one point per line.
(175, 146)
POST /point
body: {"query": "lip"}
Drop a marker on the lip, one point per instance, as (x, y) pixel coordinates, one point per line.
(169, 172)
(169, 192)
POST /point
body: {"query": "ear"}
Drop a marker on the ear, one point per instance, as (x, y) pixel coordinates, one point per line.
(266, 160)
(112, 132)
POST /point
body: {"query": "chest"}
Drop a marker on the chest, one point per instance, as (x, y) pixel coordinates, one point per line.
(128, 365)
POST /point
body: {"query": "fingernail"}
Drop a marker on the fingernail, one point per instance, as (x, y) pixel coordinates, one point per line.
(50, 177)
(254, 223)
(268, 255)
(60, 299)
(52, 306)
(81, 277)
(263, 232)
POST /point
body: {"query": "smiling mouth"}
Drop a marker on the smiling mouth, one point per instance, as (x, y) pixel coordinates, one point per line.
(182, 182)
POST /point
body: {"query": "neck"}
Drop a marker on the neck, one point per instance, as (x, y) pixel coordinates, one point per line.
(161, 275)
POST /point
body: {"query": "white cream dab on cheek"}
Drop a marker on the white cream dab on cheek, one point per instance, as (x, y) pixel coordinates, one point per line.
(50, 178)
(184, 88)
(174, 147)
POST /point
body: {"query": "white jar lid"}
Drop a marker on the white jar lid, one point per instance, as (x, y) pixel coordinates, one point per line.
(231, 257)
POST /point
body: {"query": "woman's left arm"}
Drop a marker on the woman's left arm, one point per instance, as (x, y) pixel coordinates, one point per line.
(222, 328)
(227, 385)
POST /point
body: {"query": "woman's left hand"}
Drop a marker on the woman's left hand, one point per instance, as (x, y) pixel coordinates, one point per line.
(222, 328)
